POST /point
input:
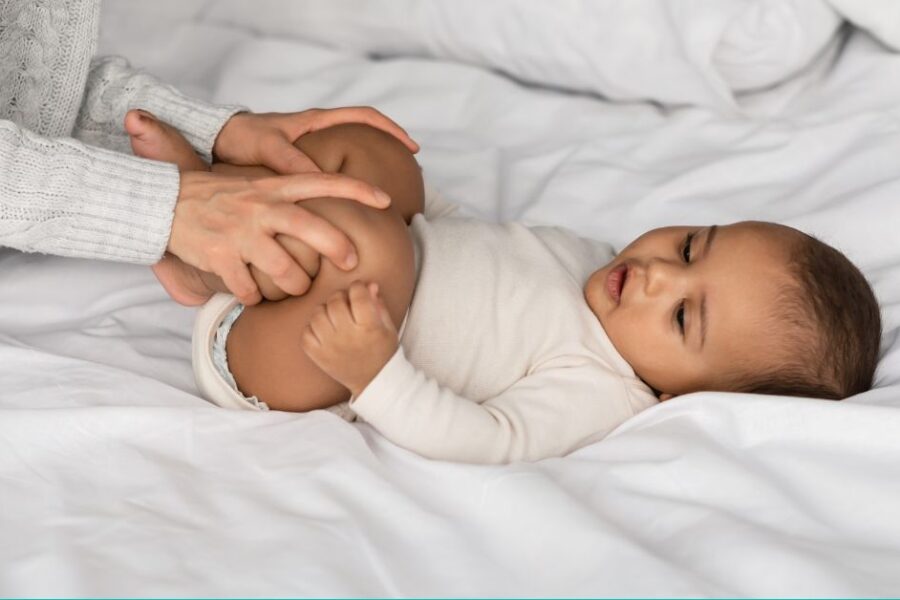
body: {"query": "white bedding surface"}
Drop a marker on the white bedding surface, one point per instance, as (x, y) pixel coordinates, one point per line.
(118, 479)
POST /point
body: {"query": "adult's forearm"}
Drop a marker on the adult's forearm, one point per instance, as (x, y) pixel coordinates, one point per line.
(114, 87)
(60, 196)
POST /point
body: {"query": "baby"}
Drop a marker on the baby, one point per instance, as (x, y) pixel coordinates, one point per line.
(488, 343)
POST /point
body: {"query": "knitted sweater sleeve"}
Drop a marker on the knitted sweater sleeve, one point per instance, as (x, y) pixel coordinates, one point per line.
(60, 196)
(89, 197)
(113, 87)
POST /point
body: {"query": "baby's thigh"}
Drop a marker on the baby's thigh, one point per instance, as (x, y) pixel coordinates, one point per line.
(264, 349)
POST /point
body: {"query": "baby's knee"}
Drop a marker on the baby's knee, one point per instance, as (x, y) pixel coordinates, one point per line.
(373, 156)
(384, 247)
(264, 353)
(335, 148)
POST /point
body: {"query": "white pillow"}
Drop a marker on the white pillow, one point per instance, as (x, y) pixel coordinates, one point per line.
(675, 52)
(881, 18)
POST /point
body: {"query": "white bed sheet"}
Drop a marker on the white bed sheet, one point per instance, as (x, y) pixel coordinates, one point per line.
(118, 479)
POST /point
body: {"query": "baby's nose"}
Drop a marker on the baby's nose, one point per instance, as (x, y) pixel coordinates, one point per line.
(659, 276)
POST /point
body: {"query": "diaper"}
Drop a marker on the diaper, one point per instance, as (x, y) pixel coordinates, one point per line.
(210, 361)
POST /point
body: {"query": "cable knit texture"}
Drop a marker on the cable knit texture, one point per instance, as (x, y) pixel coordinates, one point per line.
(67, 186)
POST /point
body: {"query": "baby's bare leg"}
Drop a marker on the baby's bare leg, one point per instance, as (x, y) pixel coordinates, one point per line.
(264, 351)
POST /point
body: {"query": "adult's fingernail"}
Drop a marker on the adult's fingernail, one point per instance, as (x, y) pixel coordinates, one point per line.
(351, 260)
(382, 198)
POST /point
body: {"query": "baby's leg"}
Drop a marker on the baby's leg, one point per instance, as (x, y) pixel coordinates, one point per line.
(264, 351)
(151, 138)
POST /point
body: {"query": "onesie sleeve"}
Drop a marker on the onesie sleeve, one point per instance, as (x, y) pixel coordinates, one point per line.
(551, 412)
(114, 87)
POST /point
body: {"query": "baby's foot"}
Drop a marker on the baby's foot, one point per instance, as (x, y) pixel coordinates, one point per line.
(151, 138)
(186, 285)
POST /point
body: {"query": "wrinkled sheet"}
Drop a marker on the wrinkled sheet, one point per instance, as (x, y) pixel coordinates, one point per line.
(117, 479)
(697, 52)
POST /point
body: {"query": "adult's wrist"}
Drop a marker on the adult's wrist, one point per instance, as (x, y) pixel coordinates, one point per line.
(190, 189)
(224, 136)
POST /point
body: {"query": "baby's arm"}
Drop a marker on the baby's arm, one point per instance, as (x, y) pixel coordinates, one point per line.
(351, 336)
(550, 412)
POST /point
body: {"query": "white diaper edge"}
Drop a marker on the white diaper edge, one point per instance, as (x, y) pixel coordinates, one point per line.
(209, 380)
(212, 385)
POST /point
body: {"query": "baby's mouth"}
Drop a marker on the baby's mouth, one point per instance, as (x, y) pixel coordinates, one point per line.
(615, 282)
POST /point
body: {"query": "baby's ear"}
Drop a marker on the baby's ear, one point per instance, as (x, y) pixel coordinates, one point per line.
(664, 397)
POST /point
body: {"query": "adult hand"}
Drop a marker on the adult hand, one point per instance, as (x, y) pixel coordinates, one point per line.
(223, 223)
(268, 138)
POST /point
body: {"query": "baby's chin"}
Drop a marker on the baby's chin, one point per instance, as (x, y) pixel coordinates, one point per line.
(660, 395)
(594, 292)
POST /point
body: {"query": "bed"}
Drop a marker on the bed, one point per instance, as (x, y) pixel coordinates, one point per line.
(117, 478)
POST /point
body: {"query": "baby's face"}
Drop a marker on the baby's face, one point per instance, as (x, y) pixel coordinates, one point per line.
(685, 306)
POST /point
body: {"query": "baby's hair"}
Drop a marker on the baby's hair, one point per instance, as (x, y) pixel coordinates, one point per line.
(830, 324)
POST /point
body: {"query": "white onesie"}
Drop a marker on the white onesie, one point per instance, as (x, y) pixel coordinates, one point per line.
(500, 357)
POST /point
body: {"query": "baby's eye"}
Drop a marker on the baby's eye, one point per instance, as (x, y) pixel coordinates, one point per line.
(679, 316)
(686, 251)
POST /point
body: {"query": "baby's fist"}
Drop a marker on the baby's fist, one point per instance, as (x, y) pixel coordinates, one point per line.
(351, 336)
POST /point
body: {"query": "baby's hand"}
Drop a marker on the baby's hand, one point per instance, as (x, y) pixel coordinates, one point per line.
(351, 337)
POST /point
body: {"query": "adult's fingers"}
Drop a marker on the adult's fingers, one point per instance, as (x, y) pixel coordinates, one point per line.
(363, 114)
(272, 259)
(267, 287)
(239, 282)
(283, 157)
(315, 231)
(316, 185)
(305, 255)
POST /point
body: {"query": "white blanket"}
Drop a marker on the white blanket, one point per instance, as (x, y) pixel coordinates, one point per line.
(117, 479)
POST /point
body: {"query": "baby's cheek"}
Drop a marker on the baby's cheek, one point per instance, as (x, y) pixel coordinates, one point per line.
(645, 351)
(627, 342)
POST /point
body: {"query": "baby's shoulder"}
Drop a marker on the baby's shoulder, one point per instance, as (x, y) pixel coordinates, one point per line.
(579, 255)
